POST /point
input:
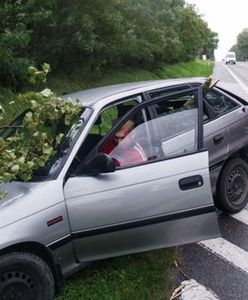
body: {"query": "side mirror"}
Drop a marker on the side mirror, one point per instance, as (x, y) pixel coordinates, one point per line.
(99, 163)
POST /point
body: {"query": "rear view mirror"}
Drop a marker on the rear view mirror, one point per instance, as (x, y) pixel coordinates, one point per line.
(99, 163)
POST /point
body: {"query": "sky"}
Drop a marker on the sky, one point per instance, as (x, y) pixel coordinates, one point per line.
(226, 17)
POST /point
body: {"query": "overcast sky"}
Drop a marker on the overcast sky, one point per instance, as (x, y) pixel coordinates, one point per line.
(227, 18)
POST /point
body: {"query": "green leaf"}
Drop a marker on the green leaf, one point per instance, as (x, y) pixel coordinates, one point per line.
(2, 194)
(32, 144)
(59, 138)
(7, 176)
(15, 168)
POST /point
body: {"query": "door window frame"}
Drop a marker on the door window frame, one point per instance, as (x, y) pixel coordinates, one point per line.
(149, 103)
(212, 113)
(199, 90)
(146, 104)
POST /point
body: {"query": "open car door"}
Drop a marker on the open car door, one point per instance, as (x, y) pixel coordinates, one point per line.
(161, 201)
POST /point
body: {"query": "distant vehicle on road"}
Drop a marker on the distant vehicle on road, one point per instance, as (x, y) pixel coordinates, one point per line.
(230, 58)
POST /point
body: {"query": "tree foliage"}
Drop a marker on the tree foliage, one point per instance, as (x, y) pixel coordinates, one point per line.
(27, 145)
(98, 35)
(14, 43)
(241, 47)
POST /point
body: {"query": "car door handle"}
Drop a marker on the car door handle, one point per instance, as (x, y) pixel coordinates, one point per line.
(191, 182)
(218, 139)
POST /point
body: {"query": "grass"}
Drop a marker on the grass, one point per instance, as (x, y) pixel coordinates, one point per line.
(198, 68)
(82, 80)
(141, 276)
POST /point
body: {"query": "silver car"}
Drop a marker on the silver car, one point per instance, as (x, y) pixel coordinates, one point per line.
(104, 195)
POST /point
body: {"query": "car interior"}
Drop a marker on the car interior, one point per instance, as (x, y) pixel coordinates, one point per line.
(101, 128)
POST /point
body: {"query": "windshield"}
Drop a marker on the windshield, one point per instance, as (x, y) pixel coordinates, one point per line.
(54, 164)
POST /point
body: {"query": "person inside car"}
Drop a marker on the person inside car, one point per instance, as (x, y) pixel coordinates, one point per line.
(123, 147)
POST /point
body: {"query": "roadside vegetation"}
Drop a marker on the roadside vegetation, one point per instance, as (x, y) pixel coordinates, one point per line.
(241, 46)
(141, 276)
(79, 80)
(98, 36)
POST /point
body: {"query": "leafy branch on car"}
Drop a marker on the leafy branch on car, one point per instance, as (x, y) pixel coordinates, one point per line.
(27, 146)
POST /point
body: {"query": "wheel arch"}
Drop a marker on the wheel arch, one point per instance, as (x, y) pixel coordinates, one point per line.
(241, 153)
(237, 196)
(41, 251)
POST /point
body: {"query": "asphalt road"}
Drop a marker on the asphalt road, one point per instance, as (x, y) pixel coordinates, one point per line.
(233, 77)
(220, 265)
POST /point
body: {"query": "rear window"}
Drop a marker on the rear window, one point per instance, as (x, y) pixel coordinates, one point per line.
(219, 103)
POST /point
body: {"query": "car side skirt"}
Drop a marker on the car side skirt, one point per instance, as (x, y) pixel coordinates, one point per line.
(166, 230)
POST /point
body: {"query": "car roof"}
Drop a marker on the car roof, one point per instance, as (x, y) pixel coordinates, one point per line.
(91, 96)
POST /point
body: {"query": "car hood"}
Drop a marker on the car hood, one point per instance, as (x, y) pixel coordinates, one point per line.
(27, 198)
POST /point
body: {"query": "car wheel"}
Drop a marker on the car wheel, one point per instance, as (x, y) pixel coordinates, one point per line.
(233, 186)
(24, 276)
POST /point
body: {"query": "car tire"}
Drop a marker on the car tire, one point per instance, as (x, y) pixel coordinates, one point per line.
(232, 190)
(24, 276)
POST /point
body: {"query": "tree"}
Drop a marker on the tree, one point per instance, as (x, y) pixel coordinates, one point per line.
(210, 44)
(98, 35)
(242, 45)
(30, 142)
(14, 40)
(196, 37)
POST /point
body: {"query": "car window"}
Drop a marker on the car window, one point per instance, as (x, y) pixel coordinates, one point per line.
(219, 103)
(176, 120)
(171, 132)
(165, 91)
(52, 167)
(103, 125)
(178, 103)
(110, 115)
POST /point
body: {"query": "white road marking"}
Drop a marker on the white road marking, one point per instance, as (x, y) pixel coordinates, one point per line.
(242, 85)
(227, 251)
(192, 290)
(242, 216)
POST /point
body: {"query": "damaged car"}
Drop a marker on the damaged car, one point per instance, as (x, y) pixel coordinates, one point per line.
(114, 189)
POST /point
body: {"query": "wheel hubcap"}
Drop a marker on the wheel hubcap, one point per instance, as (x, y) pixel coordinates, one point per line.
(16, 285)
(237, 186)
